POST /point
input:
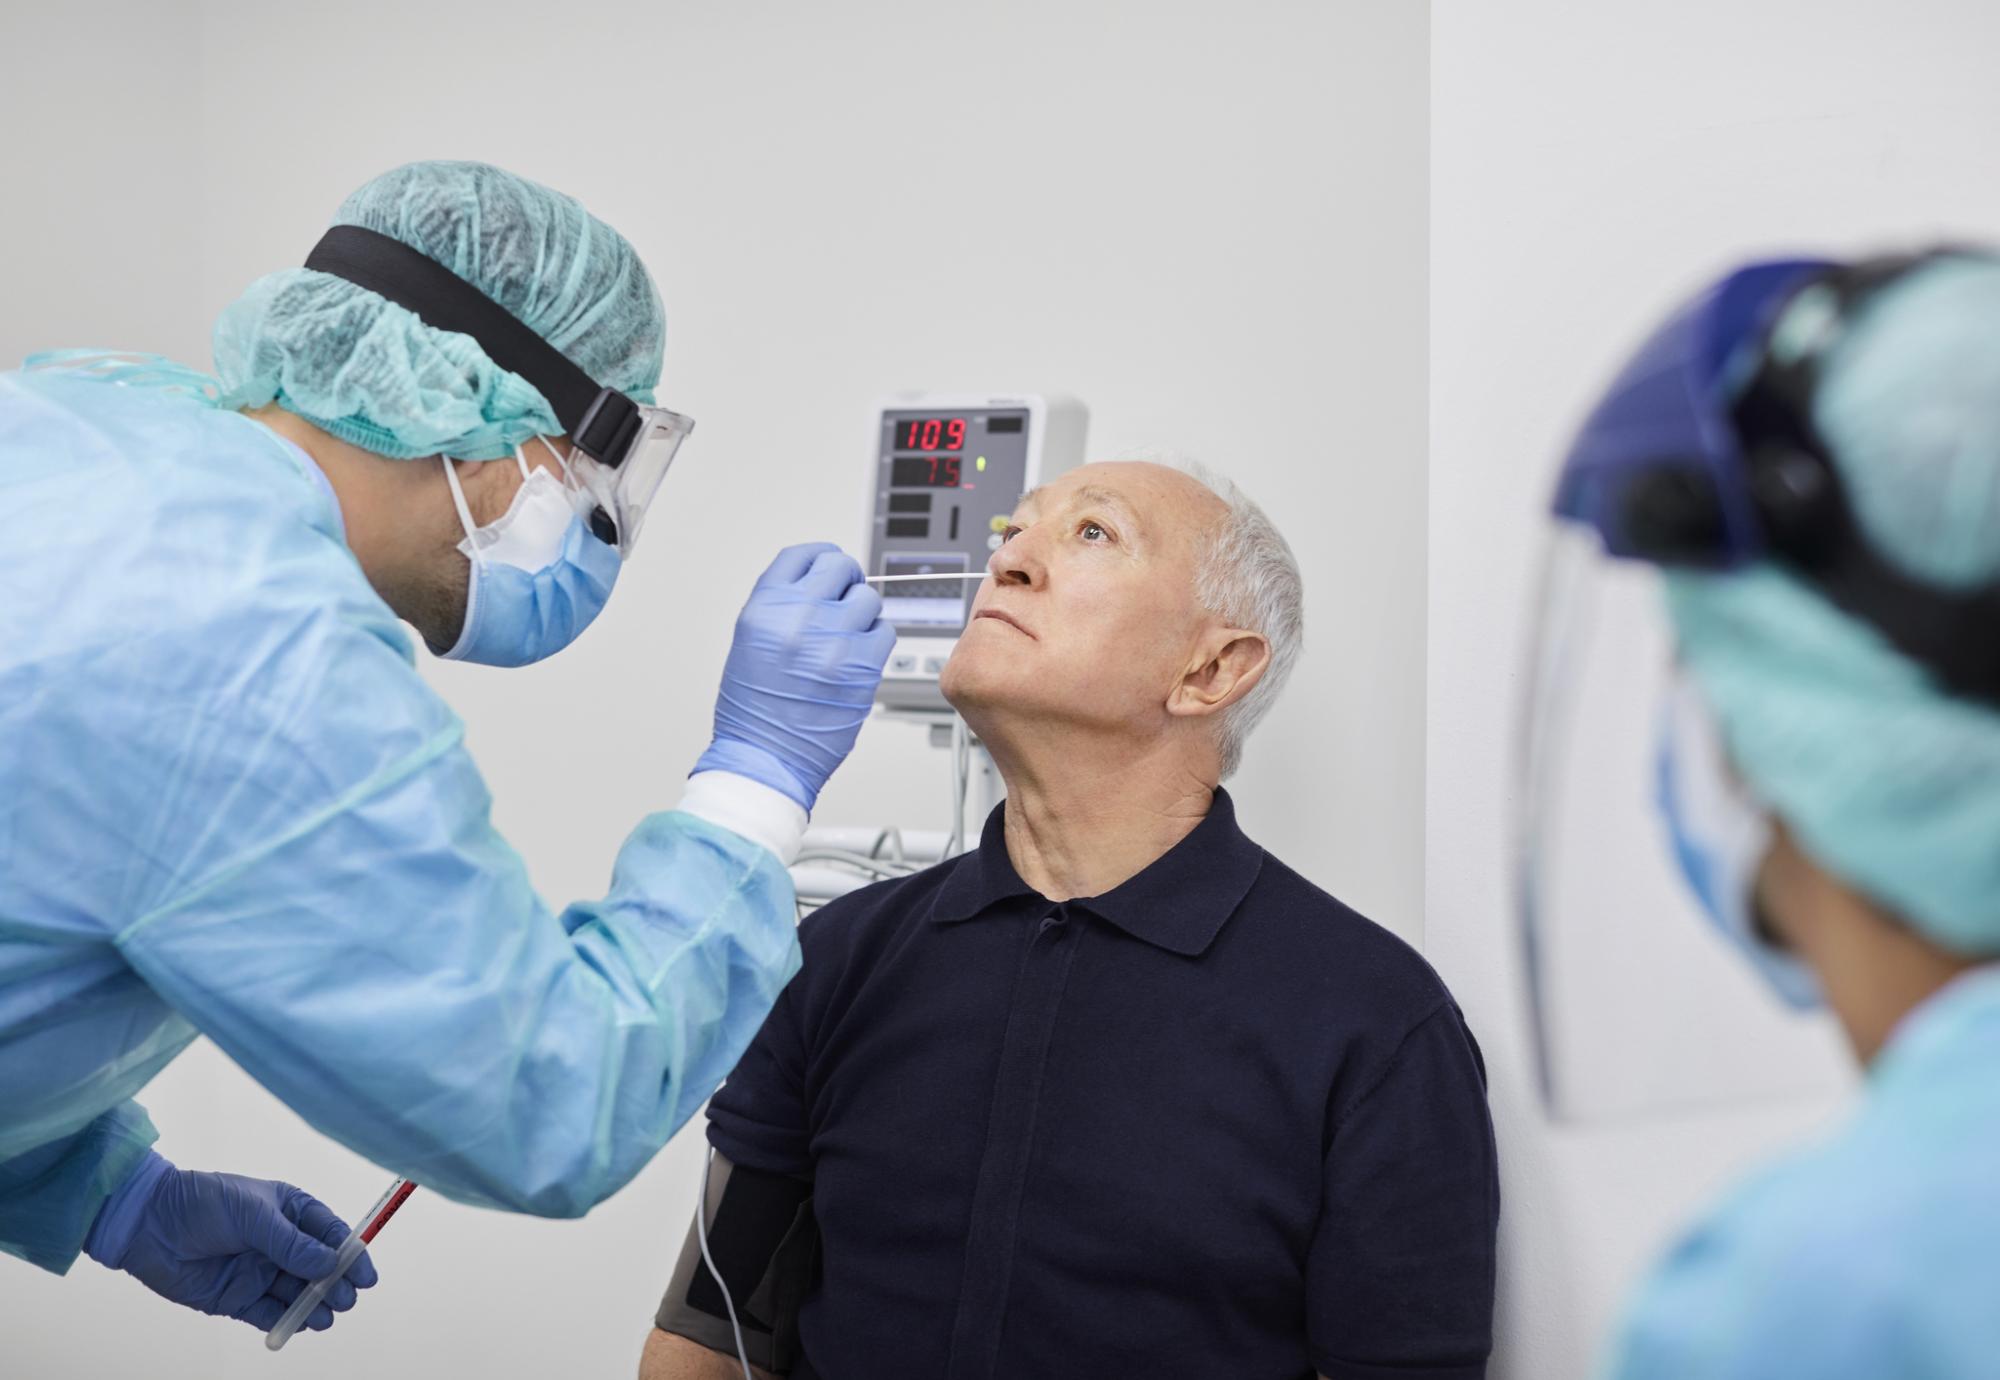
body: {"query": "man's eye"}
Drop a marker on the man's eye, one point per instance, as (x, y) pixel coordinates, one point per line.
(1091, 531)
(1009, 534)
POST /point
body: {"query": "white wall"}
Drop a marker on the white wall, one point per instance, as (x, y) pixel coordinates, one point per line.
(1589, 161)
(100, 231)
(1206, 222)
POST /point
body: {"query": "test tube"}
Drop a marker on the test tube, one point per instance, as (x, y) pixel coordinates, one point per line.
(350, 1250)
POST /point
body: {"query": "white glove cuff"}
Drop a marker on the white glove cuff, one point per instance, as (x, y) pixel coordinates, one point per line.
(749, 808)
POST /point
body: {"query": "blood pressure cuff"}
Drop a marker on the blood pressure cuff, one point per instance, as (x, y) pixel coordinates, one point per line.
(763, 1238)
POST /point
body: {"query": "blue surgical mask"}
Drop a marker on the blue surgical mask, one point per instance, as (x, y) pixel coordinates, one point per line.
(1720, 835)
(538, 575)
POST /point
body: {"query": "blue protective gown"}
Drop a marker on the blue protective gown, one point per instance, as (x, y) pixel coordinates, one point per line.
(230, 807)
(1873, 1256)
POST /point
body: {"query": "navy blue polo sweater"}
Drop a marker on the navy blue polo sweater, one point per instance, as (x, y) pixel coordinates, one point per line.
(1209, 1124)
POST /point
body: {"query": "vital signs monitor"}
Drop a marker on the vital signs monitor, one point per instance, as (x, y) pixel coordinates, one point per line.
(946, 472)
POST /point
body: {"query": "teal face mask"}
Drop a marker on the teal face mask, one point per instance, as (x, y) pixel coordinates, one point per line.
(538, 576)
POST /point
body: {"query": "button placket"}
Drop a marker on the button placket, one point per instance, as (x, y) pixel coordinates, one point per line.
(1003, 1165)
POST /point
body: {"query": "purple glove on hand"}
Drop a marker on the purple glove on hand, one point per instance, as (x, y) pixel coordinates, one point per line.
(223, 1244)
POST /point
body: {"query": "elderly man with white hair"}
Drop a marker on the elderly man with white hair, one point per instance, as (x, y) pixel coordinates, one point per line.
(1117, 1093)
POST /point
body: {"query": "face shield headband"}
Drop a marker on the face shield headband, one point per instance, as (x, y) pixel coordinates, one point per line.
(1703, 454)
(620, 449)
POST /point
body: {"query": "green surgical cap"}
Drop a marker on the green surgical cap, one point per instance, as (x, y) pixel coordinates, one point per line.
(370, 372)
(1886, 781)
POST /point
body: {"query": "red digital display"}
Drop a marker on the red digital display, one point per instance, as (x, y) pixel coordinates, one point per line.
(925, 472)
(931, 433)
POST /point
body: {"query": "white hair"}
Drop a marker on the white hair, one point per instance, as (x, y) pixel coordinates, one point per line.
(1245, 574)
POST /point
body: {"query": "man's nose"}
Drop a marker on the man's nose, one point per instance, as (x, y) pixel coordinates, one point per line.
(1017, 562)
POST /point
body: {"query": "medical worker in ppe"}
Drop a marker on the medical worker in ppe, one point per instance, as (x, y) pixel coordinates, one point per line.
(1810, 452)
(229, 806)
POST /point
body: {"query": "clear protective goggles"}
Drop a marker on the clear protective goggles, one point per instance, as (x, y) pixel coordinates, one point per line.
(620, 448)
(620, 480)
(1639, 1006)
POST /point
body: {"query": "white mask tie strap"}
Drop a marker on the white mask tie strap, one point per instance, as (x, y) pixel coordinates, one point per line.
(464, 512)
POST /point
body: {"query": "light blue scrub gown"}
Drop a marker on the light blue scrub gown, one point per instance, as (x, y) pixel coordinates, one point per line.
(230, 807)
(1872, 1256)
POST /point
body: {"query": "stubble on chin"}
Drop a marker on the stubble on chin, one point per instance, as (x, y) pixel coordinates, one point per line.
(435, 606)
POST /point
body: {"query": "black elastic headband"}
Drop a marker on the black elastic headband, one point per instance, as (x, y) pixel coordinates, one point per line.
(601, 421)
(1809, 522)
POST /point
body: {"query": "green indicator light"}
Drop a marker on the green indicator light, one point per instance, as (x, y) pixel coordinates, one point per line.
(980, 464)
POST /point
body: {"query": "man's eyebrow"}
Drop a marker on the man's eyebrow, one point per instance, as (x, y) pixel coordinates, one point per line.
(1092, 493)
(1088, 494)
(1107, 498)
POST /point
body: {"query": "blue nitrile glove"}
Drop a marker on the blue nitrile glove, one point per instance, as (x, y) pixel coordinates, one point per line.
(801, 675)
(223, 1244)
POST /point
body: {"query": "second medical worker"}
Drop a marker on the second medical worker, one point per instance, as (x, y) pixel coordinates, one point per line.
(229, 806)
(1802, 466)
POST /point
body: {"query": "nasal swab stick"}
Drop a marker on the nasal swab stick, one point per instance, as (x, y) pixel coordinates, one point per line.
(941, 575)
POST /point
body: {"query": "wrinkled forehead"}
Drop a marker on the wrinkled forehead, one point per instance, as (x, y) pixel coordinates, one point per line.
(1160, 504)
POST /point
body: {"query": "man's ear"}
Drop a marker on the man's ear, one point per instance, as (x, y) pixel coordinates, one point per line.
(1226, 665)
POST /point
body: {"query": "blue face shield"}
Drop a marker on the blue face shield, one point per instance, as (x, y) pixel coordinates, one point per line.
(538, 575)
(1636, 1010)
(1657, 470)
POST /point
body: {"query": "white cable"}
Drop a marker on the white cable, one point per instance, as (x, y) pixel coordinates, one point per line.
(701, 1229)
(859, 862)
(957, 829)
(965, 785)
(960, 757)
(964, 770)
